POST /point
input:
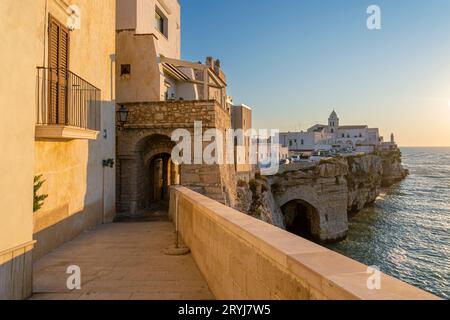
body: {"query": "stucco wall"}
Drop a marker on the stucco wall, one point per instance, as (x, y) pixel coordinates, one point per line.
(19, 39)
(139, 44)
(242, 119)
(81, 192)
(245, 258)
(126, 12)
(143, 83)
(170, 46)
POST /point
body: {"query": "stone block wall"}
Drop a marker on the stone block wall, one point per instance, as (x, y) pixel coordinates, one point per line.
(244, 258)
(150, 121)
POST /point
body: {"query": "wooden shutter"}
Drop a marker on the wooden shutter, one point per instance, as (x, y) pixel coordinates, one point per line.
(58, 56)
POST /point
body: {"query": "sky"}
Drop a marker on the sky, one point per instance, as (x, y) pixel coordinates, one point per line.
(294, 61)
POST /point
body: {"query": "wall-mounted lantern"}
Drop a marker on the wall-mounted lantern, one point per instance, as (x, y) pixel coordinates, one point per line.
(122, 116)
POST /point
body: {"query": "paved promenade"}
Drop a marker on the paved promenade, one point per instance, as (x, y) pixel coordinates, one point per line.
(121, 261)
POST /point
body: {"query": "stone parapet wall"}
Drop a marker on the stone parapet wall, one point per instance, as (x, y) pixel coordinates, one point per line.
(244, 258)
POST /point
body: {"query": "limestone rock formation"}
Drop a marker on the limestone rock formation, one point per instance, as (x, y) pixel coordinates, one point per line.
(363, 181)
(322, 193)
(393, 170)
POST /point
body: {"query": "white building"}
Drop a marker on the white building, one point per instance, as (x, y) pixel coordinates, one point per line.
(332, 136)
(267, 151)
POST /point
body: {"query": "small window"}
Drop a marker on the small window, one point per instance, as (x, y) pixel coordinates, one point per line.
(302, 142)
(125, 69)
(161, 22)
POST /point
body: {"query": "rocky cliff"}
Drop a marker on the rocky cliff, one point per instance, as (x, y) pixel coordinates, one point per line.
(324, 192)
(393, 170)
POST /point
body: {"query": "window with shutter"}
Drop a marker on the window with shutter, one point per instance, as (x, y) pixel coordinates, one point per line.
(58, 56)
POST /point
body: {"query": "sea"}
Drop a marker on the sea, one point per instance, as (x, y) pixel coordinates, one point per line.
(406, 233)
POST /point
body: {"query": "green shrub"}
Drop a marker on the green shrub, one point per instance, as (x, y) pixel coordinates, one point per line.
(38, 200)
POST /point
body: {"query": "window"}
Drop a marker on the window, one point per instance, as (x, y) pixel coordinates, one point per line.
(58, 56)
(290, 143)
(343, 135)
(125, 69)
(302, 142)
(161, 22)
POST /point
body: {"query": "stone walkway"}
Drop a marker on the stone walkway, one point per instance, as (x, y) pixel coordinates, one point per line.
(121, 261)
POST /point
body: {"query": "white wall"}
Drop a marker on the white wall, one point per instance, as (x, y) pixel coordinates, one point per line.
(293, 140)
(18, 57)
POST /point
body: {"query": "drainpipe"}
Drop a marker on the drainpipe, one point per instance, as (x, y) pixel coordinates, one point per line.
(108, 163)
(177, 244)
(45, 33)
(103, 194)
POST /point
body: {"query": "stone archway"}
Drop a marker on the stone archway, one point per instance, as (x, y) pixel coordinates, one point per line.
(325, 212)
(147, 134)
(146, 173)
(158, 179)
(302, 219)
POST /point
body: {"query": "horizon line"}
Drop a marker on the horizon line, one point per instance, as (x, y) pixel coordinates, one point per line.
(424, 146)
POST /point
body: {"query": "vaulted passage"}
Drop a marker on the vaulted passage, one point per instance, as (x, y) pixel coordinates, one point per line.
(156, 172)
(145, 176)
(162, 173)
(301, 218)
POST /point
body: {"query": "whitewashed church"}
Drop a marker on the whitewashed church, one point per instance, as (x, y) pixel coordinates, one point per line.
(332, 136)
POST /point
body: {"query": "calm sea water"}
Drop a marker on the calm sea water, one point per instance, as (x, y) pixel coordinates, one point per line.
(407, 232)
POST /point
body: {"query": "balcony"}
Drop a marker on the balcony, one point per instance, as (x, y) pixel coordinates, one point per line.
(68, 107)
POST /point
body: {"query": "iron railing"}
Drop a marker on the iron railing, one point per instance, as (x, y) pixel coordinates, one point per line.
(64, 98)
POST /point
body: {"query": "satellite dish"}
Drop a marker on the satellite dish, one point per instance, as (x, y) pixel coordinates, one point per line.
(74, 19)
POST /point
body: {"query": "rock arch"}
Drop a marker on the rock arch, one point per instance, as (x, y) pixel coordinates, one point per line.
(322, 199)
(301, 214)
(302, 219)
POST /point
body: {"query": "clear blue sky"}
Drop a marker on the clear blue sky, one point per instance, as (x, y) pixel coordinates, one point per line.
(294, 61)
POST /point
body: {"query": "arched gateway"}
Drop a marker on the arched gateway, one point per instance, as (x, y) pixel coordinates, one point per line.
(145, 170)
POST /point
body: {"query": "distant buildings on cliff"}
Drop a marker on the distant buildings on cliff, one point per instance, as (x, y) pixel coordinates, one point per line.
(335, 136)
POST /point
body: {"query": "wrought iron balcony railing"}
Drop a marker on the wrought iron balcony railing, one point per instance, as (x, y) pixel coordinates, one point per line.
(65, 99)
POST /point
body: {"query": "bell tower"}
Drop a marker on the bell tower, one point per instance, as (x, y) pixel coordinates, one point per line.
(333, 122)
